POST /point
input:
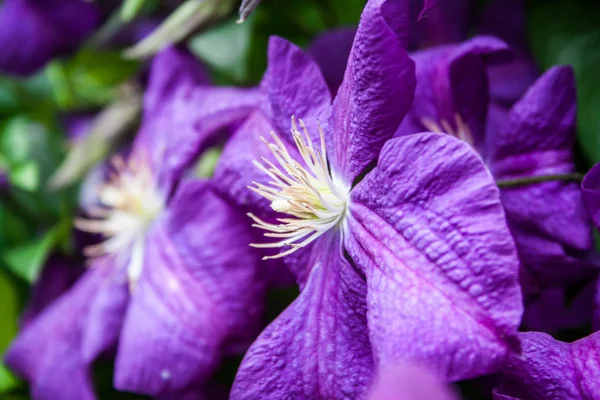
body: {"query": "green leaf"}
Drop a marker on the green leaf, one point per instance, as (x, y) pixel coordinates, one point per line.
(10, 306)
(89, 79)
(27, 260)
(567, 32)
(131, 9)
(8, 381)
(225, 48)
(26, 176)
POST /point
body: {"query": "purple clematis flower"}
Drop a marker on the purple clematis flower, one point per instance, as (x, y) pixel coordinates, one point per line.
(35, 31)
(411, 262)
(591, 193)
(534, 139)
(174, 287)
(505, 19)
(550, 369)
(409, 382)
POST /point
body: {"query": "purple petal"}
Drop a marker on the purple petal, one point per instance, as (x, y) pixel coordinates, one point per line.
(409, 382)
(591, 193)
(537, 139)
(295, 86)
(377, 90)
(542, 121)
(318, 348)
(445, 22)
(506, 20)
(199, 295)
(549, 369)
(509, 81)
(182, 117)
(427, 227)
(235, 170)
(105, 314)
(172, 69)
(550, 312)
(452, 80)
(330, 51)
(48, 351)
(34, 31)
(57, 277)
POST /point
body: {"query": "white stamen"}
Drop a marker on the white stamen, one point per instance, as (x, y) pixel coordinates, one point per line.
(462, 130)
(307, 192)
(130, 203)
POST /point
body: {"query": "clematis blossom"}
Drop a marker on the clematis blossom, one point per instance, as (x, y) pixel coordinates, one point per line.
(408, 260)
(591, 193)
(174, 287)
(550, 369)
(529, 152)
(35, 31)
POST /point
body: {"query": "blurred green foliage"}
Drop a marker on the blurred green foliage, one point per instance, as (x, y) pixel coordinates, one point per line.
(568, 32)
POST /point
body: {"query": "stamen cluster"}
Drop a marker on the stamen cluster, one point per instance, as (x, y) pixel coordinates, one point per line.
(460, 130)
(306, 191)
(129, 202)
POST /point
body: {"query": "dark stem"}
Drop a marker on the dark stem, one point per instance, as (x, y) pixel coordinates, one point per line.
(509, 183)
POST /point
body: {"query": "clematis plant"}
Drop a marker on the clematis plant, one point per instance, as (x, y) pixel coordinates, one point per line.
(173, 287)
(406, 260)
(34, 31)
(550, 369)
(528, 149)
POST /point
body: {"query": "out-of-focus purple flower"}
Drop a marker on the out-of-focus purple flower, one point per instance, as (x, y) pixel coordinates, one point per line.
(330, 51)
(534, 138)
(35, 31)
(445, 22)
(409, 382)
(420, 242)
(591, 193)
(505, 19)
(551, 311)
(174, 287)
(58, 275)
(550, 369)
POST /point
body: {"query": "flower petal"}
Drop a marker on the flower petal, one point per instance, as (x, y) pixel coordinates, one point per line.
(171, 69)
(409, 382)
(427, 228)
(33, 32)
(58, 276)
(235, 170)
(104, 317)
(549, 369)
(452, 81)
(377, 90)
(48, 351)
(330, 51)
(295, 86)
(537, 139)
(199, 295)
(182, 116)
(318, 347)
(444, 22)
(591, 193)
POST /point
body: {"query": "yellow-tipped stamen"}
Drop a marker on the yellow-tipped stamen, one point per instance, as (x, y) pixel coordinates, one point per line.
(460, 131)
(130, 202)
(305, 190)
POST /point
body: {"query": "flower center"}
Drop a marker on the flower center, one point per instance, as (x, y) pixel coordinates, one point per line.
(129, 202)
(306, 191)
(460, 130)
